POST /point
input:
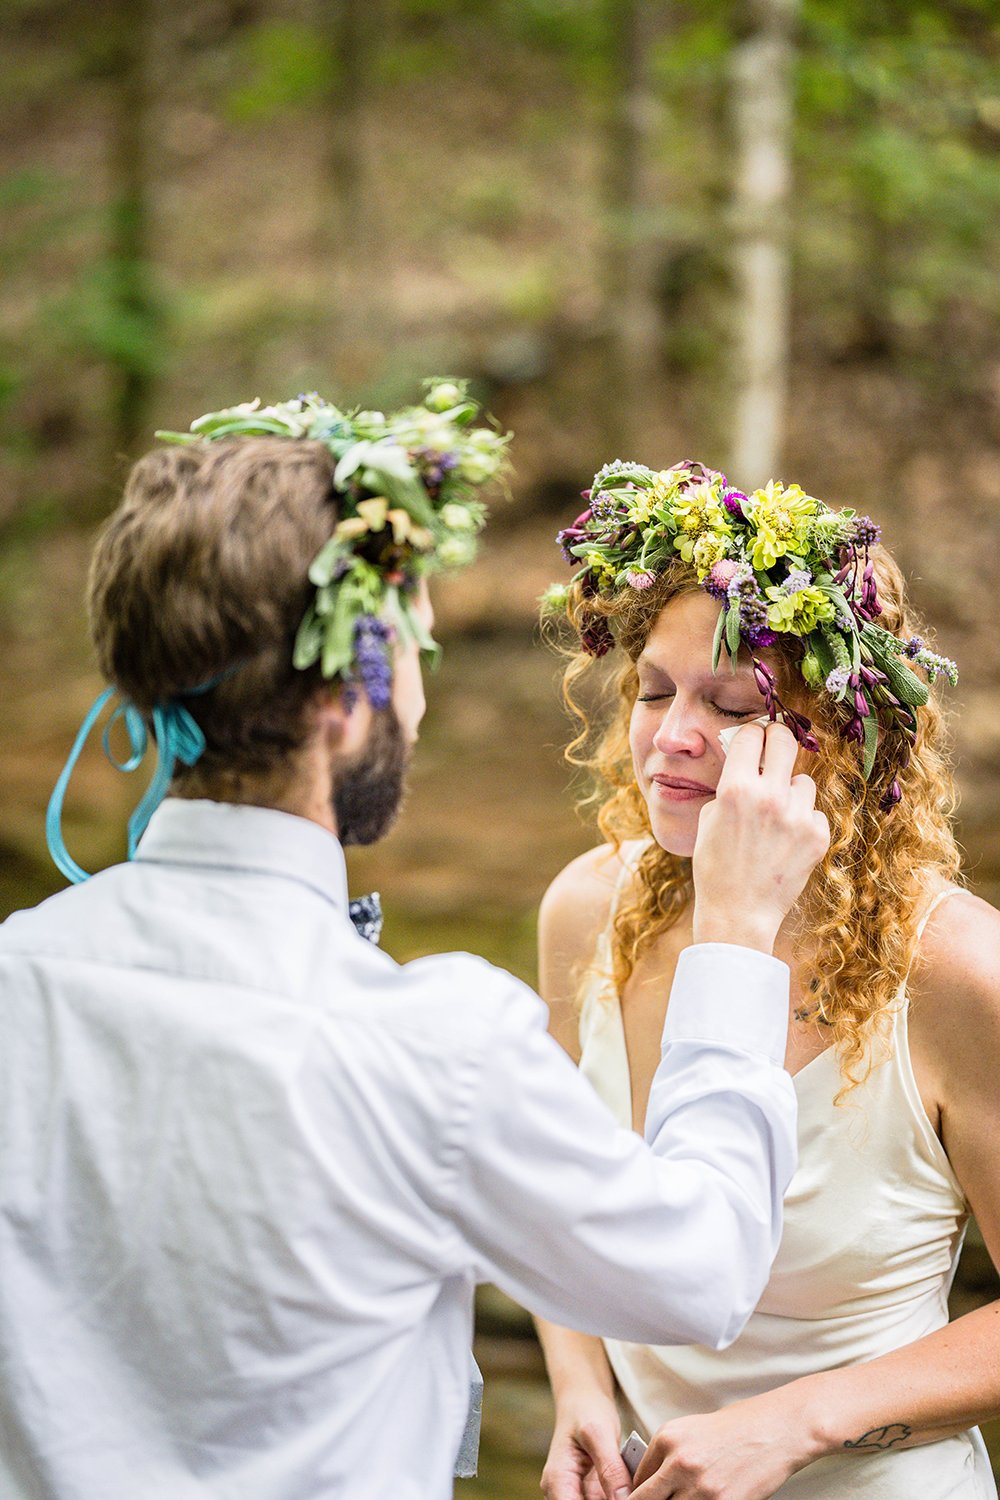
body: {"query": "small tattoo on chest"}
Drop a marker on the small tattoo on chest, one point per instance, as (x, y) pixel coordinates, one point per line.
(811, 1010)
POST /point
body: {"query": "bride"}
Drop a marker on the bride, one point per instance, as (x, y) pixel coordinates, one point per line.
(848, 1380)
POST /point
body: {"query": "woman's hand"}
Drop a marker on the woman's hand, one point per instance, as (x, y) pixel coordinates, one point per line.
(743, 1452)
(584, 1462)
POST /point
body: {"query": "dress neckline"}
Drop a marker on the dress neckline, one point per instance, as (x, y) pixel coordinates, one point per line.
(611, 997)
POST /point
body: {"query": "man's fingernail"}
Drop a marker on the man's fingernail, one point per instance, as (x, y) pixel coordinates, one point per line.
(622, 1494)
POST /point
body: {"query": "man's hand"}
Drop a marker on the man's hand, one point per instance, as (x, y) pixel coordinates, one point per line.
(759, 840)
(584, 1462)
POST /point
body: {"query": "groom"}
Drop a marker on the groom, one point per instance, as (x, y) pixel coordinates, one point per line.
(252, 1169)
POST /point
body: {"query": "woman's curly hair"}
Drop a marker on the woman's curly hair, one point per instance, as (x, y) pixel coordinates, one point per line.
(864, 901)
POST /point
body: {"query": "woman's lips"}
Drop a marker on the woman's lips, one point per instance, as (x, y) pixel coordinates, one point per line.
(678, 789)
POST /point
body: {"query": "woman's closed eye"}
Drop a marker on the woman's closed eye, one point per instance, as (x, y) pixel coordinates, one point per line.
(661, 695)
(734, 713)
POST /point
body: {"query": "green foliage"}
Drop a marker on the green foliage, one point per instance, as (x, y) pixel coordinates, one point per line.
(282, 65)
(893, 105)
(110, 313)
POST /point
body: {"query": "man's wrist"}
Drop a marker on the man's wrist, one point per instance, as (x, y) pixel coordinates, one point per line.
(580, 1400)
(743, 930)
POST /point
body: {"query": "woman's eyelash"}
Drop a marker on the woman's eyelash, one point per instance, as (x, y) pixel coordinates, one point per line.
(727, 713)
(733, 713)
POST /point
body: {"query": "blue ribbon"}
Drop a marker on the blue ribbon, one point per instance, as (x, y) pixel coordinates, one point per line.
(177, 736)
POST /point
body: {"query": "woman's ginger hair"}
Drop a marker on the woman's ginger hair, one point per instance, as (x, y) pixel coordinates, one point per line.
(866, 897)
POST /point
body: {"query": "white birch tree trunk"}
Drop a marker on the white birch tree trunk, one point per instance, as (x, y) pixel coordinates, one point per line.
(762, 125)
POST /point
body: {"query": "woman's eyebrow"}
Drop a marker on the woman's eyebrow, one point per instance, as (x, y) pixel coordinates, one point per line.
(742, 677)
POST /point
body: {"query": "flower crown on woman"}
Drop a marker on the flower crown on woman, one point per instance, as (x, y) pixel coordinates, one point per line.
(780, 563)
(407, 484)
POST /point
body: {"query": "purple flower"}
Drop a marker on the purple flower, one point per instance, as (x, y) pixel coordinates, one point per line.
(800, 726)
(760, 637)
(734, 501)
(572, 536)
(796, 580)
(596, 638)
(837, 681)
(868, 607)
(371, 664)
(892, 795)
(606, 510)
(866, 532)
(914, 646)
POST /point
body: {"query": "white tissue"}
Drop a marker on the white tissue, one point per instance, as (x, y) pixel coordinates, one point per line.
(727, 736)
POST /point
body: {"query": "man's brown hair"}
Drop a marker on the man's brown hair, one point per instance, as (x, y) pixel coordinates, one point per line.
(203, 570)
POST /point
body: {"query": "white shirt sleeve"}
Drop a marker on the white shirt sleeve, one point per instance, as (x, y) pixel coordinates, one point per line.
(584, 1223)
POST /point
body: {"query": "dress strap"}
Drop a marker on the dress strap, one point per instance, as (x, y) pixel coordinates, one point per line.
(932, 906)
(900, 1012)
(629, 855)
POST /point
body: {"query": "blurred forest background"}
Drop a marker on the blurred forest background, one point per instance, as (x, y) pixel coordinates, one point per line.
(763, 233)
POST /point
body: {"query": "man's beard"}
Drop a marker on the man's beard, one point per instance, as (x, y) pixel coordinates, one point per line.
(369, 789)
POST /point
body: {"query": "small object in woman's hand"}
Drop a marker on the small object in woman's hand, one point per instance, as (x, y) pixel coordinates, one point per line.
(633, 1447)
(727, 735)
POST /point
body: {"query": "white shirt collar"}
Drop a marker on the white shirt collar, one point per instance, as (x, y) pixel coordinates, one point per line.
(259, 840)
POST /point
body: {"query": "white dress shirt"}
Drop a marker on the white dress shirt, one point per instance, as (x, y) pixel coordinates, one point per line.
(251, 1170)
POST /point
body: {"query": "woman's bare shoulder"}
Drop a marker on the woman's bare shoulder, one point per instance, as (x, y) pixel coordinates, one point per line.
(579, 899)
(957, 977)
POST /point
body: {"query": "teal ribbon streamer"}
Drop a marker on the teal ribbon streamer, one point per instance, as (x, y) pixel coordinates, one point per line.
(177, 736)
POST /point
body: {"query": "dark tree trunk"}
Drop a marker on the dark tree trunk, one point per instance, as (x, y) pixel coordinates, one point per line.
(132, 312)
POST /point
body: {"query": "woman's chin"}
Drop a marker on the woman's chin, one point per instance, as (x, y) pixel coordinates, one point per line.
(675, 834)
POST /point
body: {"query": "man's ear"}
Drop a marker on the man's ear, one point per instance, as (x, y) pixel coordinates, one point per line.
(343, 719)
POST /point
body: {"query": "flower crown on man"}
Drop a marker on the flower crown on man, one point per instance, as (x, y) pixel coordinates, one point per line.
(780, 563)
(406, 488)
(407, 483)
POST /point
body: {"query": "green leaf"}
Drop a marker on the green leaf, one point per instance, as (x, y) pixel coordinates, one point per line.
(351, 461)
(720, 630)
(308, 640)
(820, 646)
(242, 427)
(338, 642)
(733, 632)
(400, 485)
(324, 564)
(883, 648)
(429, 648)
(906, 685)
(870, 725)
(840, 604)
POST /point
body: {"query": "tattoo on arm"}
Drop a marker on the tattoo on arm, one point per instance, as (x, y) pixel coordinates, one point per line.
(877, 1439)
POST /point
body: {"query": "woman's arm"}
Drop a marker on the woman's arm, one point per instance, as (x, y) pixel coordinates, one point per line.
(943, 1383)
(583, 1459)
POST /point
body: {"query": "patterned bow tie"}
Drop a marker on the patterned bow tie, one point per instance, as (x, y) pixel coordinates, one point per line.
(366, 914)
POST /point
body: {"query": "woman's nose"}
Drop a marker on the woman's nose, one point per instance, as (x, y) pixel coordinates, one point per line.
(680, 731)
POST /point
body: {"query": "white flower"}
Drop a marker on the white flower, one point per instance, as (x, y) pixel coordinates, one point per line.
(457, 518)
(456, 551)
(441, 397)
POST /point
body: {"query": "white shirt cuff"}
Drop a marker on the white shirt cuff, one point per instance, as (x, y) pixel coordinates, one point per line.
(735, 997)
